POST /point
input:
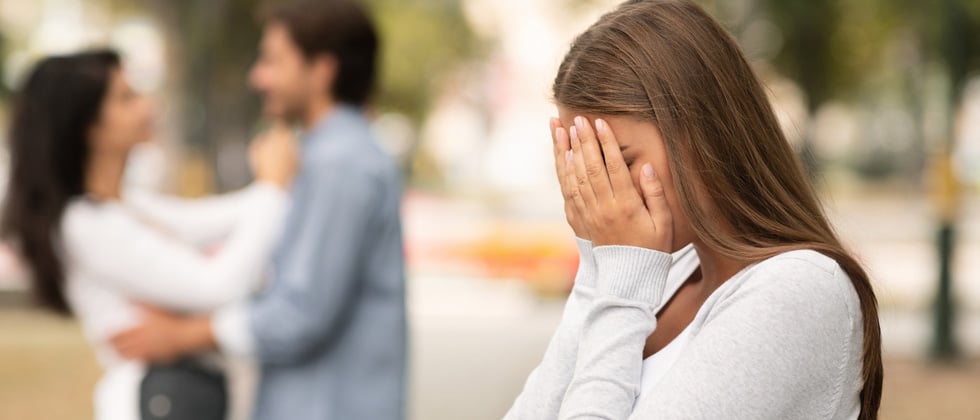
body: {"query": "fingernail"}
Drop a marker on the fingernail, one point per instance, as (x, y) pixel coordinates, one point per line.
(569, 156)
(580, 121)
(573, 133)
(600, 124)
(648, 171)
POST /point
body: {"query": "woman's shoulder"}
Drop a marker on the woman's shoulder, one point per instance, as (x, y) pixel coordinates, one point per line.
(795, 300)
(803, 267)
(802, 277)
(86, 219)
(807, 260)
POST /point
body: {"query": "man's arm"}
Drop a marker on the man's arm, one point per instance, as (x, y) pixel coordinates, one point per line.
(318, 275)
(163, 336)
(314, 281)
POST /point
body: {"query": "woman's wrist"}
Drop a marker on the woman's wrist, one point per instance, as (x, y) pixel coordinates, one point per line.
(632, 273)
(586, 263)
(277, 181)
(279, 188)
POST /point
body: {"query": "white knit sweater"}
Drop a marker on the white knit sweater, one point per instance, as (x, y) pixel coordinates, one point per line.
(782, 339)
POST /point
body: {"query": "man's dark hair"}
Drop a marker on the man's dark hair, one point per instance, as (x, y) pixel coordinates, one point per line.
(341, 28)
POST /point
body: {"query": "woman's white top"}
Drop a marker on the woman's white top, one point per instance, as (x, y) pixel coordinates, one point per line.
(685, 262)
(155, 249)
(781, 339)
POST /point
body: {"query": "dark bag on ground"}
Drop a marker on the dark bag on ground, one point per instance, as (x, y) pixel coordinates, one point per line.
(183, 390)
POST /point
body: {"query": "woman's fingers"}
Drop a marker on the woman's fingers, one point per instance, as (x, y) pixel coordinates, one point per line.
(574, 204)
(559, 138)
(558, 151)
(656, 199)
(574, 194)
(578, 168)
(554, 124)
(616, 169)
(595, 167)
(562, 164)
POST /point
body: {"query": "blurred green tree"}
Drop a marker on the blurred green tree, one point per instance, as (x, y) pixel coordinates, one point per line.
(832, 48)
(422, 41)
(212, 44)
(954, 27)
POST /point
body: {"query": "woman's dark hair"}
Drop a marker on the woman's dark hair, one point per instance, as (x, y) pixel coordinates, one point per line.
(341, 28)
(59, 102)
(670, 63)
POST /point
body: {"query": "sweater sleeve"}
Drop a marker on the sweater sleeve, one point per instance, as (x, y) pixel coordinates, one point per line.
(545, 387)
(198, 221)
(784, 343)
(781, 340)
(608, 369)
(154, 268)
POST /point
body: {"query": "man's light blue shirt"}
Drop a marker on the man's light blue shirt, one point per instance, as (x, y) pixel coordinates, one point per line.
(330, 330)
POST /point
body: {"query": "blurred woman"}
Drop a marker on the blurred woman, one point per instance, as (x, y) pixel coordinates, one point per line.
(95, 250)
(711, 284)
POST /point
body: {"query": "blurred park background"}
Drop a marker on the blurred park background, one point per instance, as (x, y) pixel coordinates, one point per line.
(880, 97)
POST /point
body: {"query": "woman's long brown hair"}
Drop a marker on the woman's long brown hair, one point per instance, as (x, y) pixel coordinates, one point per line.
(670, 63)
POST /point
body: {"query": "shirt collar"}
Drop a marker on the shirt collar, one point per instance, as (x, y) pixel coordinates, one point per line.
(336, 116)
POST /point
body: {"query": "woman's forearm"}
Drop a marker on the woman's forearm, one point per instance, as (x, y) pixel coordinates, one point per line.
(546, 386)
(608, 368)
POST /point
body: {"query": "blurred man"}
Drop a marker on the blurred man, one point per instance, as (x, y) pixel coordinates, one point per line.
(329, 330)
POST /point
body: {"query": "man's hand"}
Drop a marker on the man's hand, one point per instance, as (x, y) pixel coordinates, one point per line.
(163, 336)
